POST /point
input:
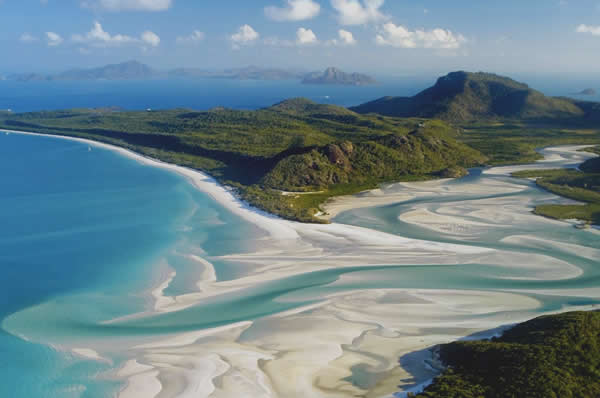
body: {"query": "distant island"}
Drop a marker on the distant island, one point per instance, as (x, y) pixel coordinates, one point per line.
(335, 76)
(587, 91)
(134, 70)
(462, 97)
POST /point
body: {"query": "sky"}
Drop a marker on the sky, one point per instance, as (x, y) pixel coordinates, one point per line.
(383, 37)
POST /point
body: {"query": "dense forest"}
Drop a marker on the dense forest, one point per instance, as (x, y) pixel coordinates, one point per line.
(556, 356)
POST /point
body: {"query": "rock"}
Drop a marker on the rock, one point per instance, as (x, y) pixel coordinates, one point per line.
(454, 172)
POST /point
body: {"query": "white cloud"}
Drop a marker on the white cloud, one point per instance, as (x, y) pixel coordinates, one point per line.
(245, 35)
(27, 38)
(98, 37)
(401, 37)
(305, 36)
(142, 5)
(296, 10)
(357, 12)
(346, 37)
(195, 37)
(594, 30)
(151, 38)
(53, 39)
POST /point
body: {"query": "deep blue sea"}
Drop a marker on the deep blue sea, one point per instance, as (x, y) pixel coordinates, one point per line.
(201, 94)
(197, 94)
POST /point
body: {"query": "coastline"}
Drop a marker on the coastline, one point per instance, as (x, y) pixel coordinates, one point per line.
(157, 368)
(383, 196)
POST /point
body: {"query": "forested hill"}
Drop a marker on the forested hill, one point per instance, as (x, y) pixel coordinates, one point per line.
(465, 97)
(296, 145)
(551, 356)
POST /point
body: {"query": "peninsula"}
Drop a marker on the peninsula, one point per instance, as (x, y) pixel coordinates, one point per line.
(290, 158)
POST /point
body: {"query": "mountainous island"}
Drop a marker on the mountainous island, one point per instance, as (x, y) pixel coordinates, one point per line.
(465, 120)
(134, 70)
(247, 73)
(462, 97)
(336, 76)
(588, 91)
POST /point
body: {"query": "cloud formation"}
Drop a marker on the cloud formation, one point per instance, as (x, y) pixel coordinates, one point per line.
(357, 12)
(593, 30)
(346, 37)
(141, 5)
(400, 37)
(150, 38)
(53, 39)
(245, 35)
(27, 38)
(195, 37)
(295, 10)
(98, 37)
(305, 36)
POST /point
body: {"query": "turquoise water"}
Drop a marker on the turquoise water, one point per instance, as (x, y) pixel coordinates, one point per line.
(86, 234)
(84, 221)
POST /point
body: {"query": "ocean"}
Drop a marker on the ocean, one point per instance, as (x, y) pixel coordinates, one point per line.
(199, 94)
(202, 94)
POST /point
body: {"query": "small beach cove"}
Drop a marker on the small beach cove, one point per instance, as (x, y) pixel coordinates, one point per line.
(328, 310)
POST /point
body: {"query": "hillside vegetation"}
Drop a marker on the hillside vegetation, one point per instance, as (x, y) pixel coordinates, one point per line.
(555, 356)
(462, 97)
(583, 186)
(517, 142)
(296, 145)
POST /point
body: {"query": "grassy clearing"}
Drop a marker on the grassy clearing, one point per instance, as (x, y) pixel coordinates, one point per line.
(581, 186)
(516, 142)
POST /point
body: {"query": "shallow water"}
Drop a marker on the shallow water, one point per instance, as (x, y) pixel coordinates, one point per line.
(106, 230)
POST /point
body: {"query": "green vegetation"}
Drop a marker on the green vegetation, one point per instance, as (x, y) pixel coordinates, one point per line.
(465, 97)
(296, 145)
(554, 356)
(516, 142)
(592, 149)
(583, 186)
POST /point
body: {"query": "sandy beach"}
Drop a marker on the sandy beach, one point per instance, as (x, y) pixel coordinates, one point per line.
(354, 342)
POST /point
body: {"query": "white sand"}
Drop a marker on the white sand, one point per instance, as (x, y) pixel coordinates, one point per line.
(313, 351)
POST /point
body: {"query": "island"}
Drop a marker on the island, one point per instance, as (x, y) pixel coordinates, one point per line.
(336, 76)
(587, 91)
(135, 70)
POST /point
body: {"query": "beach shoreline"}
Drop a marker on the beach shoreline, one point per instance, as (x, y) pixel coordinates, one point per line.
(161, 368)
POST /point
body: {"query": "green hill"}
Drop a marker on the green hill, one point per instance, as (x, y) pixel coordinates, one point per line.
(465, 97)
(548, 357)
(296, 145)
(429, 149)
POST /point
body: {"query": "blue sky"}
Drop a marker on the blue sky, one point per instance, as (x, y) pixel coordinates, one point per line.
(386, 37)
